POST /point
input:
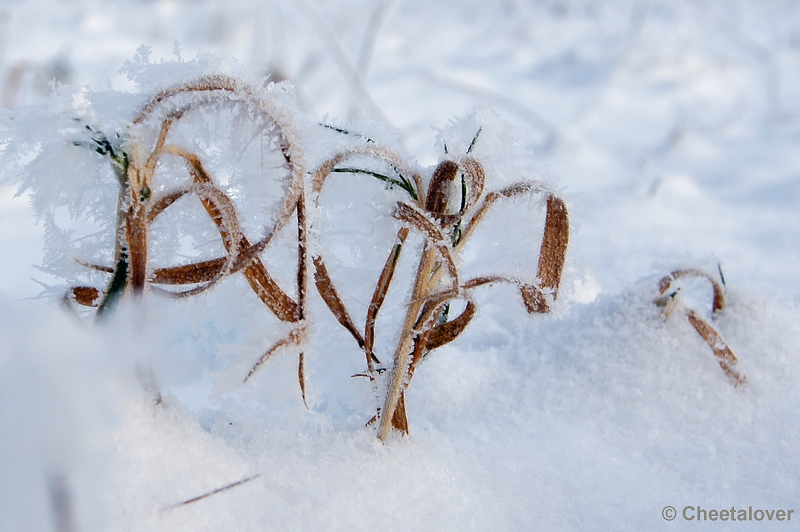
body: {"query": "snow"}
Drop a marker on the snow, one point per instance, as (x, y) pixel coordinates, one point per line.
(669, 127)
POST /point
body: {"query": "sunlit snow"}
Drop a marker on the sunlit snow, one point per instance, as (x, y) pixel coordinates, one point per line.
(671, 129)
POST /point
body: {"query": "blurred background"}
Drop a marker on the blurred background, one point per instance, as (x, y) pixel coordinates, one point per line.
(671, 125)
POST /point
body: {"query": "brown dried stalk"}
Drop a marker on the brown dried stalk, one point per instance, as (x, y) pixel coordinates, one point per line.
(136, 166)
(88, 296)
(334, 302)
(213, 492)
(727, 359)
(446, 223)
(443, 219)
(379, 295)
(717, 304)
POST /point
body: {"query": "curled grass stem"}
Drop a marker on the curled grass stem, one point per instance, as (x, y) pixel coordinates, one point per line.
(669, 302)
(445, 213)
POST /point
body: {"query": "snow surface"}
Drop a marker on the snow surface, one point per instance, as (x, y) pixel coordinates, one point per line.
(671, 127)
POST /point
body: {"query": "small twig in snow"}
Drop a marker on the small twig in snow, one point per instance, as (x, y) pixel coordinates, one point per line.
(210, 493)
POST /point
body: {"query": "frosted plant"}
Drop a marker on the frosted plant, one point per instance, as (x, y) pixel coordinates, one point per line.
(445, 213)
(143, 154)
(183, 150)
(671, 302)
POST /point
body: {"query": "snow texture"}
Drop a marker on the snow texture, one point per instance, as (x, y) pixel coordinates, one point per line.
(670, 129)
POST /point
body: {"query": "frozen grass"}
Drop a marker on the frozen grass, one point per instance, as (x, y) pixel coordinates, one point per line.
(671, 128)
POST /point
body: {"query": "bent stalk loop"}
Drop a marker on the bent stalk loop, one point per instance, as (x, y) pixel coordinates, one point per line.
(445, 214)
(135, 162)
(670, 302)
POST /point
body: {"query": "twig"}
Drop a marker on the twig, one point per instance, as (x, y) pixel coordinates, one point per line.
(210, 493)
(349, 73)
(371, 35)
(368, 43)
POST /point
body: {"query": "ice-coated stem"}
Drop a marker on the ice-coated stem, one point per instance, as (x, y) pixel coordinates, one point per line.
(119, 279)
(400, 370)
